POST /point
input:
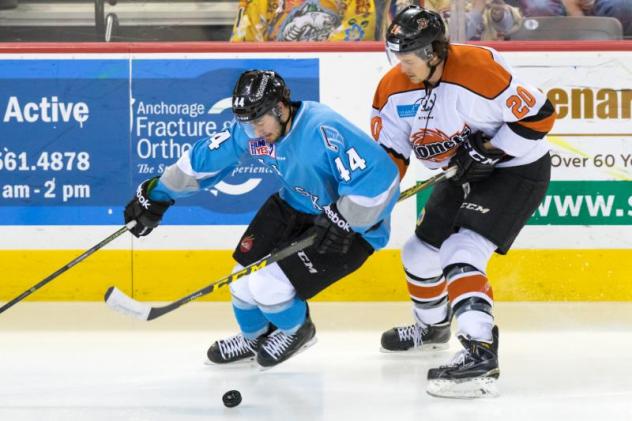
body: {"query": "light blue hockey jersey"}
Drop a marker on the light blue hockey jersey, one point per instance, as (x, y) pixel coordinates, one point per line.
(323, 159)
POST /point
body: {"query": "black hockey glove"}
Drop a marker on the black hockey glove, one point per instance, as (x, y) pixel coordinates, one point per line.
(473, 161)
(333, 233)
(147, 213)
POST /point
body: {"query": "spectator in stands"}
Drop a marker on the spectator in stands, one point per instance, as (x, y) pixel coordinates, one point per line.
(578, 7)
(530, 8)
(487, 20)
(620, 9)
(492, 20)
(305, 20)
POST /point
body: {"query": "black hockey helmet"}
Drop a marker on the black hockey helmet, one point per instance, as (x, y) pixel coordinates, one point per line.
(257, 92)
(415, 29)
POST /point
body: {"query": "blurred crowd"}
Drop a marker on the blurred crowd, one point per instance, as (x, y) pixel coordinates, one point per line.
(365, 20)
(314, 20)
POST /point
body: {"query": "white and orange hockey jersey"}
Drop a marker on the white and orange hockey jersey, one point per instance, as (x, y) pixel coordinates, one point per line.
(477, 92)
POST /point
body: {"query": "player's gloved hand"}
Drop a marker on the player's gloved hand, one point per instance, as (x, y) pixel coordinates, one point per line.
(147, 213)
(333, 233)
(473, 161)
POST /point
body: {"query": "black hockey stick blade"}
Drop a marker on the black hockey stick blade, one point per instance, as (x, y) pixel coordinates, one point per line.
(63, 269)
(119, 301)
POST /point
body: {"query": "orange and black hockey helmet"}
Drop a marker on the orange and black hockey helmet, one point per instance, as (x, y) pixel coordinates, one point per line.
(414, 29)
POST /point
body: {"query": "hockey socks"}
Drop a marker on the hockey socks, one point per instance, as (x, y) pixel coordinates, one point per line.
(250, 319)
(288, 317)
(471, 297)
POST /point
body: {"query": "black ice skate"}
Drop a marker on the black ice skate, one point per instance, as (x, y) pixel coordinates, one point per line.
(278, 347)
(417, 337)
(472, 373)
(235, 349)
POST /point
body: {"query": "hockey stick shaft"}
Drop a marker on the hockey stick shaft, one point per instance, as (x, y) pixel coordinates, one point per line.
(411, 191)
(121, 302)
(69, 265)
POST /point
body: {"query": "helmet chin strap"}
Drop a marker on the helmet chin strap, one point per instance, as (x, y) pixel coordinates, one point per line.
(433, 68)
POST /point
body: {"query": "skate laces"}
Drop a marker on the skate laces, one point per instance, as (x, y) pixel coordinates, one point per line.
(464, 356)
(236, 345)
(277, 343)
(459, 359)
(414, 332)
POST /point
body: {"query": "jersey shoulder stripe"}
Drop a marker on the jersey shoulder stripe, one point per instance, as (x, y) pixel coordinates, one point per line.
(475, 69)
(536, 126)
(393, 82)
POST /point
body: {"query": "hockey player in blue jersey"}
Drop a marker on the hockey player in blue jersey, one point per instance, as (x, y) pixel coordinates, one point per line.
(337, 183)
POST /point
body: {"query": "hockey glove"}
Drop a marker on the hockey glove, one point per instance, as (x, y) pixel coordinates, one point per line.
(333, 233)
(473, 161)
(147, 213)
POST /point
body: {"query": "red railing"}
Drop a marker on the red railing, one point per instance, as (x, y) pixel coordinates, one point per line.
(287, 47)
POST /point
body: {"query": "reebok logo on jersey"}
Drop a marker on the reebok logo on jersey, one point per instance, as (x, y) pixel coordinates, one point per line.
(336, 219)
(434, 145)
(474, 207)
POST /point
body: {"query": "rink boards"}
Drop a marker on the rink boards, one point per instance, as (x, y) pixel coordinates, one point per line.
(80, 130)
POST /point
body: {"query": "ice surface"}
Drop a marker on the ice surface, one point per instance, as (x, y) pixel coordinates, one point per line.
(63, 361)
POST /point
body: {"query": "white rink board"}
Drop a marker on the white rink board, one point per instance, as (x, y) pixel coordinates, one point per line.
(347, 83)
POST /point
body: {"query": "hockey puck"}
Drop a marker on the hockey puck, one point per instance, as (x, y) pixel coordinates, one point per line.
(232, 398)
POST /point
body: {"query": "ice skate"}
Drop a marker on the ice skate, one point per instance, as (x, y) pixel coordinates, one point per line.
(235, 349)
(472, 373)
(417, 337)
(278, 347)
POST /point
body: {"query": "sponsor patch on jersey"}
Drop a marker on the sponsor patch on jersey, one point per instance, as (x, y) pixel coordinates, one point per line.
(246, 243)
(259, 147)
(408, 110)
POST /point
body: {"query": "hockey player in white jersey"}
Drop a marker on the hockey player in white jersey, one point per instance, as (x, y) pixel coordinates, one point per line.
(459, 105)
(337, 183)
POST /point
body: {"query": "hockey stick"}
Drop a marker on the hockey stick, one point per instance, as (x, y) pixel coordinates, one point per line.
(411, 191)
(119, 301)
(63, 269)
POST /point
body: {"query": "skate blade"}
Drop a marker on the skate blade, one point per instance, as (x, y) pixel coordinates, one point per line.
(308, 344)
(429, 348)
(480, 387)
(250, 361)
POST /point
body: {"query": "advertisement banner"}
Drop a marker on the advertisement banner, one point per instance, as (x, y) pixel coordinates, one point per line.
(577, 203)
(64, 141)
(77, 136)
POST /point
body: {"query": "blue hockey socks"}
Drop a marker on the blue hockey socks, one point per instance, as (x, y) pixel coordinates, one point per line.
(287, 317)
(250, 319)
